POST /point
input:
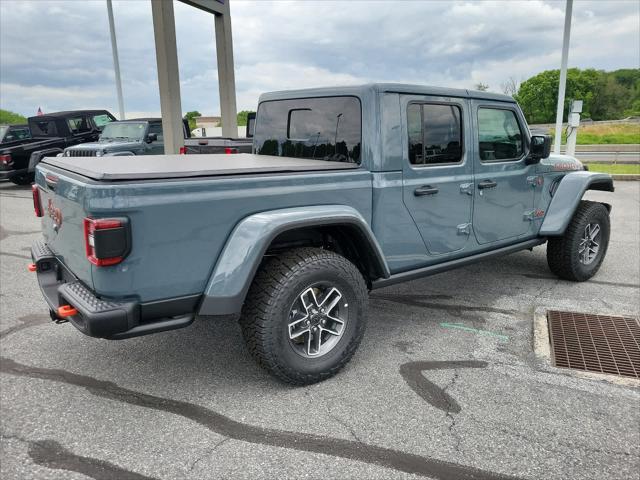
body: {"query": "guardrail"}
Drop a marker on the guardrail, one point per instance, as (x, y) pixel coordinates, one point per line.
(608, 148)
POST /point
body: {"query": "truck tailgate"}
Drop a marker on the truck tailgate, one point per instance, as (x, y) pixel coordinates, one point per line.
(62, 202)
(185, 166)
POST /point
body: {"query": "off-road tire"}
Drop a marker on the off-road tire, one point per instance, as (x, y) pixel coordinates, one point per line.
(24, 179)
(562, 252)
(266, 311)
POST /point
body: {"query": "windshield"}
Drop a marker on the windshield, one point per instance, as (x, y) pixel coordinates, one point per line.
(3, 130)
(123, 131)
(326, 128)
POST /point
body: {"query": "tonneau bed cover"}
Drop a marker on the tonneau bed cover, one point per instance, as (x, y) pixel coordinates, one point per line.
(184, 166)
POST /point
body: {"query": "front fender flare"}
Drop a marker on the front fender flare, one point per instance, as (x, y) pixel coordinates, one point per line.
(567, 197)
(126, 153)
(250, 239)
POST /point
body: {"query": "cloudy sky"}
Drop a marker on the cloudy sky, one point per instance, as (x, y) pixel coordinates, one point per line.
(57, 55)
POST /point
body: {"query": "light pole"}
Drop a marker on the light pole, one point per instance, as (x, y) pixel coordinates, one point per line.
(116, 61)
(563, 75)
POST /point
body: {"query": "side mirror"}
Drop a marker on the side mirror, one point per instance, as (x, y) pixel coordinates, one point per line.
(540, 148)
(152, 137)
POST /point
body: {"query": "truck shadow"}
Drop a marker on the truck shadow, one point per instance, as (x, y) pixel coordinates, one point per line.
(209, 359)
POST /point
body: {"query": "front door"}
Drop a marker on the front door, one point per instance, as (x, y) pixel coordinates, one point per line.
(437, 170)
(504, 183)
(157, 146)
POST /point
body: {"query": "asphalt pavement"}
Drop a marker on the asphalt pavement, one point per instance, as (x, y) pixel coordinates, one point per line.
(422, 398)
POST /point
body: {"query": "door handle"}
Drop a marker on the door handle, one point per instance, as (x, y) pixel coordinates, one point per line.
(425, 190)
(487, 184)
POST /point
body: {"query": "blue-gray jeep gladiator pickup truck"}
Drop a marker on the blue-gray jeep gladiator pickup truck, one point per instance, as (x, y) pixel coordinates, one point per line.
(347, 190)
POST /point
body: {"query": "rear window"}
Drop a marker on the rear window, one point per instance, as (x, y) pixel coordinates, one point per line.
(43, 128)
(328, 128)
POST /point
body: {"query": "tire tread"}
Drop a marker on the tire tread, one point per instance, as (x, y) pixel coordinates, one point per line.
(561, 256)
(259, 311)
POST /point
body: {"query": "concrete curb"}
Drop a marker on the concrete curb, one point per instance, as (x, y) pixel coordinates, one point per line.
(542, 350)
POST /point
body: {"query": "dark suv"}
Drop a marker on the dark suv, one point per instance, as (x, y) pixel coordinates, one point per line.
(141, 136)
(51, 134)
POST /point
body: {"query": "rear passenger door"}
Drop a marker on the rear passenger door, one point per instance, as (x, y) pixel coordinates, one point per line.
(437, 171)
(504, 183)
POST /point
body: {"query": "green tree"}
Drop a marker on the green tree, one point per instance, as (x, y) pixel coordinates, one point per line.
(11, 118)
(605, 95)
(242, 118)
(191, 118)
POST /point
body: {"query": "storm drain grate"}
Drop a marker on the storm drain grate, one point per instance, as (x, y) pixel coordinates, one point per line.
(595, 343)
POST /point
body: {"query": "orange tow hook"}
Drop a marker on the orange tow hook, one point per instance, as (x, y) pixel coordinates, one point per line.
(32, 267)
(66, 311)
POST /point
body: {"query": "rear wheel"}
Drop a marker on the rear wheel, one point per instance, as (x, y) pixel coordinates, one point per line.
(24, 179)
(305, 314)
(578, 254)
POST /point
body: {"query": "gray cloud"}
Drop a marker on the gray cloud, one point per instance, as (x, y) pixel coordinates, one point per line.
(57, 54)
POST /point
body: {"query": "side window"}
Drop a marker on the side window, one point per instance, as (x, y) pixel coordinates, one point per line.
(101, 120)
(322, 128)
(78, 125)
(157, 129)
(499, 135)
(22, 133)
(435, 133)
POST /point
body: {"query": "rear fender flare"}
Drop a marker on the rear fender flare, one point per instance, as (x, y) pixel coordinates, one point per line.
(239, 260)
(567, 197)
(37, 156)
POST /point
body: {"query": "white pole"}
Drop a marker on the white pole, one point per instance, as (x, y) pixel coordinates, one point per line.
(116, 61)
(563, 75)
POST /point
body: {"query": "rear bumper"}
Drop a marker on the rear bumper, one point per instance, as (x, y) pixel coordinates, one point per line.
(101, 317)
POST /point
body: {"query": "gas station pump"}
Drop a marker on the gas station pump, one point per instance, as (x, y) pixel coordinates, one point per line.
(572, 126)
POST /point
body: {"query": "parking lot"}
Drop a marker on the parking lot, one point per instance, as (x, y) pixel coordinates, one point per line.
(446, 383)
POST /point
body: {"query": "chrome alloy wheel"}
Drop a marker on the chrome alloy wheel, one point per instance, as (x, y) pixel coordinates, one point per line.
(589, 244)
(317, 320)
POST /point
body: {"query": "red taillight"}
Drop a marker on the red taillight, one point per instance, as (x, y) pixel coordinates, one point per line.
(183, 150)
(37, 206)
(230, 150)
(106, 240)
(5, 160)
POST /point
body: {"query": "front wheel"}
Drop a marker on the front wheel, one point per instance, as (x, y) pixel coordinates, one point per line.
(305, 314)
(578, 254)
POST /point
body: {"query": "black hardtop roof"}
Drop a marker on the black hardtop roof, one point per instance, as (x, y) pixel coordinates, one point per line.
(67, 113)
(361, 90)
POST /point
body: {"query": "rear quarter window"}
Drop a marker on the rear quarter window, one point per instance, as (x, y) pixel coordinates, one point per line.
(326, 128)
(78, 125)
